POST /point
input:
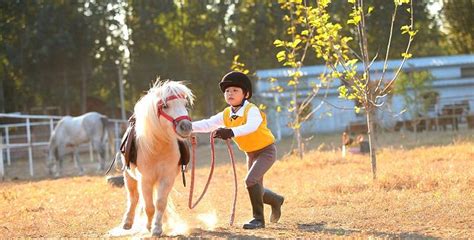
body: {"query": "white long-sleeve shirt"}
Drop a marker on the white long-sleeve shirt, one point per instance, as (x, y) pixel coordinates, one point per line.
(254, 119)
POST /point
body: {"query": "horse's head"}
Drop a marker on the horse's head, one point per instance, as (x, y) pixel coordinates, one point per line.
(168, 110)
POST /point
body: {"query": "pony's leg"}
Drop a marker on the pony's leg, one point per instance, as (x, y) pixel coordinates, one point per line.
(164, 188)
(77, 161)
(146, 187)
(132, 190)
(98, 146)
(59, 166)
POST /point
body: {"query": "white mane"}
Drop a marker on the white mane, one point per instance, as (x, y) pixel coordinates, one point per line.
(148, 128)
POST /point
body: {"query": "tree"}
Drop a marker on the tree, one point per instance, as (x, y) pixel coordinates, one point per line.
(180, 40)
(415, 88)
(252, 28)
(458, 16)
(302, 34)
(429, 38)
(330, 44)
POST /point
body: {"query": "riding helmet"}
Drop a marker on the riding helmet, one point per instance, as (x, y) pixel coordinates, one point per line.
(236, 79)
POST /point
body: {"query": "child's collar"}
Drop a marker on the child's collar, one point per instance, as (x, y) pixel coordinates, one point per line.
(240, 111)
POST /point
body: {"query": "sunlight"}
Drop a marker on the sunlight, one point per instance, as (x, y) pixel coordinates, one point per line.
(178, 228)
(175, 225)
(209, 219)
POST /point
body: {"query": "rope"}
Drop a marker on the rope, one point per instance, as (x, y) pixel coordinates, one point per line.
(191, 188)
(231, 154)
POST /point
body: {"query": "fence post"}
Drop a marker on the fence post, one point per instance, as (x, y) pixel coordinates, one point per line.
(7, 142)
(30, 148)
(116, 129)
(2, 169)
(51, 126)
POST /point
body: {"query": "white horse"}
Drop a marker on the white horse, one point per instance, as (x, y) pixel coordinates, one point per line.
(161, 120)
(74, 131)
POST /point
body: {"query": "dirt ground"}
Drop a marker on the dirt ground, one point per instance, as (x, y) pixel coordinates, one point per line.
(420, 192)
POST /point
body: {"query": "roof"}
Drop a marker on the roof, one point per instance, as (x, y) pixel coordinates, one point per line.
(413, 63)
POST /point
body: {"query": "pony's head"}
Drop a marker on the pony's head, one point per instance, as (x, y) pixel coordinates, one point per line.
(162, 113)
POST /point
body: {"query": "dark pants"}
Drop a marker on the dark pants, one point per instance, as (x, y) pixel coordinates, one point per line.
(258, 163)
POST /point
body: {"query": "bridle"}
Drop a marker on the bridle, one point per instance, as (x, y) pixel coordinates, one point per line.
(162, 113)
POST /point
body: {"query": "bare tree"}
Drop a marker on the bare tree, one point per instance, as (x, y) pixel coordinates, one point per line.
(326, 39)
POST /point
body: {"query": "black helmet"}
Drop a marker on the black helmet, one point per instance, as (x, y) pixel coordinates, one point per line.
(236, 79)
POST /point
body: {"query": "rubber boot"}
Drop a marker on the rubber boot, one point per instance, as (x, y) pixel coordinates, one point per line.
(275, 201)
(256, 199)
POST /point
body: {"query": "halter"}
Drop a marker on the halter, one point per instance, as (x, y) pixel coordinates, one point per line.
(175, 121)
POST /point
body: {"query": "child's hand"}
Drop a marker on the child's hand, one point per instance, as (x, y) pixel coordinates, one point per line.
(223, 133)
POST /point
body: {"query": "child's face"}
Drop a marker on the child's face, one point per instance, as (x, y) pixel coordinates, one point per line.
(234, 95)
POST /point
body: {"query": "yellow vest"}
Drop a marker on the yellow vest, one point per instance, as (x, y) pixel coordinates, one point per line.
(253, 141)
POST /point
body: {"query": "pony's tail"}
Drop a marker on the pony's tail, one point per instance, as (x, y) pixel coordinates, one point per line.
(105, 123)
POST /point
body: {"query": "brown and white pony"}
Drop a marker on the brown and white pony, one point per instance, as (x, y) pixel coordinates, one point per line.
(161, 120)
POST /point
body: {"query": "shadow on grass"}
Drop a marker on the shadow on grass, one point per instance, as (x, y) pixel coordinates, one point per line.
(220, 233)
(322, 228)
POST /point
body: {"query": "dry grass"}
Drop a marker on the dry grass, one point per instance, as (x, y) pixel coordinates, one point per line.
(420, 192)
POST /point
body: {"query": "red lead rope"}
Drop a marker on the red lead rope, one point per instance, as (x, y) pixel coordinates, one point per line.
(231, 154)
(191, 188)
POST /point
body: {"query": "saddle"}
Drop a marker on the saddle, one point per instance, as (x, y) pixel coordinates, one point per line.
(128, 147)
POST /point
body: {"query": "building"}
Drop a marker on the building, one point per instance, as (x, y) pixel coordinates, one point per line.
(453, 82)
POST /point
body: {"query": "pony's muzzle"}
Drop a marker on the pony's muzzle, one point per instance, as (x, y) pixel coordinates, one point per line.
(184, 128)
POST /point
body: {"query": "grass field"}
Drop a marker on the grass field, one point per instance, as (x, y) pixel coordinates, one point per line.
(423, 190)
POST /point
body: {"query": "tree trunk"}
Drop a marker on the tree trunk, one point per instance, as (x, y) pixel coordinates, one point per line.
(83, 89)
(2, 94)
(299, 142)
(66, 93)
(371, 133)
(297, 128)
(121, 92)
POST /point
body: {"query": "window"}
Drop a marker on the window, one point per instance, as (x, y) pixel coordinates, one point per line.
(467, 71)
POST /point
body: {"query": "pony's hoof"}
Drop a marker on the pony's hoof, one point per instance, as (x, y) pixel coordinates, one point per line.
(127, 226)
(157, 232)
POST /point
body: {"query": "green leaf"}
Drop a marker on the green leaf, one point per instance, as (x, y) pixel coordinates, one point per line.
(281, 56)
(370, 9)
(279, 43)
(406, 55)
(357, 109)
(400, 2)
(342, 91)
(352, 62)
(295, 43)
(412, 33)
(405, 29)
(291, 83)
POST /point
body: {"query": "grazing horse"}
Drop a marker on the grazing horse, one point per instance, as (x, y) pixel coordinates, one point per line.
(161, 120)
(70, 132)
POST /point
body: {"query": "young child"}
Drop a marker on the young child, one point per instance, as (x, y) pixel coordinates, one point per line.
(247, 125)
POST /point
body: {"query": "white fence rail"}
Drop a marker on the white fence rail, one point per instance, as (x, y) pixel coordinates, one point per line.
(30, 141)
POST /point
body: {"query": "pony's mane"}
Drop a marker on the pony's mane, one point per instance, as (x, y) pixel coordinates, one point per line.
(164, 89)
(148, 128)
